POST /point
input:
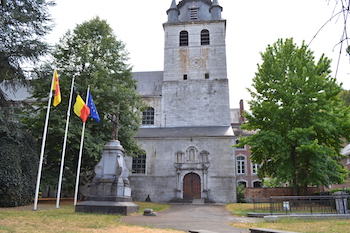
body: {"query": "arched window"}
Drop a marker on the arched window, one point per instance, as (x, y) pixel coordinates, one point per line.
(183, 38)
(192, 154)
(257, 184)
(240, 165)
(243, 183)
(205, 39)
(139, 164)
(148, 116)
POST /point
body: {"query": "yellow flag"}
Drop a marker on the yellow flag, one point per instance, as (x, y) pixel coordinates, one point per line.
(56, 88)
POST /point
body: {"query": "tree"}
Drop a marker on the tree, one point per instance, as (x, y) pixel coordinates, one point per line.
(23, 25)
(345, 98)
(295, 112)
(92, 54)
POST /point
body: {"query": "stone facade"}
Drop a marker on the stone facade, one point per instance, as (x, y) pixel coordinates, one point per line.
(188, 145)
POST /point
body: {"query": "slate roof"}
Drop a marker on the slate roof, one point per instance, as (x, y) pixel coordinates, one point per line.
(183, 2)
(180, 132)
(21, 93)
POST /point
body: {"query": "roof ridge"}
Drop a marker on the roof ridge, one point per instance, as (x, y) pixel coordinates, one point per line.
(183, 2)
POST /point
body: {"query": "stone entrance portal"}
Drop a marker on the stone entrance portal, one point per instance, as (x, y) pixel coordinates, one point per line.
(192, 186)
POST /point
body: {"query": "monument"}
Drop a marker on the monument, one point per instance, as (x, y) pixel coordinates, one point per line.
(110, 191)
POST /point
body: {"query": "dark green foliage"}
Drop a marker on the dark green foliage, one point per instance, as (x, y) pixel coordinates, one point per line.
(345, 98)
(23, 25)
(240, 193)
(93, 55)
(295, 110)
(18, 170)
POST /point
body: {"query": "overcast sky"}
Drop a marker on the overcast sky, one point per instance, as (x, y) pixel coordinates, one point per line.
(251, 26)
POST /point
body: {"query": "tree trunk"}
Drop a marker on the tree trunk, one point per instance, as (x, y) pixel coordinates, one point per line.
(295, 179)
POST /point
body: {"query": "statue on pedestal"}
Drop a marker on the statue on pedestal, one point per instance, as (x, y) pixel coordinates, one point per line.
(110, 190)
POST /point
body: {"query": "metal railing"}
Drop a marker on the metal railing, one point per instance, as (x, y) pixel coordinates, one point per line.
(335, 204)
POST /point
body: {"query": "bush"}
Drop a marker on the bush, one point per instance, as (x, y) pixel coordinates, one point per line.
(240, 193)
(18, 170)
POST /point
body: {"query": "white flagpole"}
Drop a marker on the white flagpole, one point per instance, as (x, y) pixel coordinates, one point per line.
(64, 147)
(80, 155)
(43, 147)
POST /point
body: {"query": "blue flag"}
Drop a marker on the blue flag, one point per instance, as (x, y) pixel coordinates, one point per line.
(93, 110)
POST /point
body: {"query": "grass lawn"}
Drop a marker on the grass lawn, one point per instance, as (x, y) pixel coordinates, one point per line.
(49, 219)
(305, 226)
(65, 219)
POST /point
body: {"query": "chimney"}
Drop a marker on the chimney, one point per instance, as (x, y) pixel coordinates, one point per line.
(241, 109)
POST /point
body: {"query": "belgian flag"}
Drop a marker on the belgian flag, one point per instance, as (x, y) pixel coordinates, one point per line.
(79, 107)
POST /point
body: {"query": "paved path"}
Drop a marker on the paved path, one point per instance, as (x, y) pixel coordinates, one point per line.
(190, 217)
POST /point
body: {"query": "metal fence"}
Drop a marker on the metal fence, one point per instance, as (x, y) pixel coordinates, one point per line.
(335, 204)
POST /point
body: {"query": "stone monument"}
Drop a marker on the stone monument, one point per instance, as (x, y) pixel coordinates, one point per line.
(110, 191)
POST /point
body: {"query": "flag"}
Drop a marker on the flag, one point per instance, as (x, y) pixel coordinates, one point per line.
(93, 110)
(79, 107)
(56, 88)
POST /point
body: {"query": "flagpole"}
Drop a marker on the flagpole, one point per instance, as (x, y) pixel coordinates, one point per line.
(80, 155)
(64, 147)
(43, 147)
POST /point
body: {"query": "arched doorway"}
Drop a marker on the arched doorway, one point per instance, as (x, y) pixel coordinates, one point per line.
(192, 186)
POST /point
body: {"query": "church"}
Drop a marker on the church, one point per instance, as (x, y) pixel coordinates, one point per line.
(186, 132)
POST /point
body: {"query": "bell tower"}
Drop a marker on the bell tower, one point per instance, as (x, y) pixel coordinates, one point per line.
(195, 85)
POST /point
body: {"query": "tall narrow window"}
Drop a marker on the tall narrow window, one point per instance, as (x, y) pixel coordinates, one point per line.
(139, 164)
(240, 165)
(192, 154)
(148, 116)
(205, 39)
(183, 38)
(256, 166)
(240, 147)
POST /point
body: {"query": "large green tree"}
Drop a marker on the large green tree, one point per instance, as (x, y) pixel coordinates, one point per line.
(295, 112)
(23, 26)
(94, 56)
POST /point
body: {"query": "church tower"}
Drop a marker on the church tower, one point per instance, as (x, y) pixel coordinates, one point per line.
(186, 133)
(195, 85)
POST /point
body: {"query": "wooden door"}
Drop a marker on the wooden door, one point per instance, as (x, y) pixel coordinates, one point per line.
(192, 186)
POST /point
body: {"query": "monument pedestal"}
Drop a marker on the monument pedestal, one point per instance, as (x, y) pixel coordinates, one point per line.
(107, 207)
(109, 191)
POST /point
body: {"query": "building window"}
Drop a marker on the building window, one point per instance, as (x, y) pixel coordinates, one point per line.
(185, 77)
(139, 164)
(206, 75)
(240, 147)
(255, 168)
(240, 165)
(183, 38)
(205, 39)
(242, 183)
(204, 155)
(194, 13)
(179, 156)
(257, 184)
(191, 154)
(148, 116)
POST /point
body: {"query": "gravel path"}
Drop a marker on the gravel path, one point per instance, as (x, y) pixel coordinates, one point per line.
(191, 217)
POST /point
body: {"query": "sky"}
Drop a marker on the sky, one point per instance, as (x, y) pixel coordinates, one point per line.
(251, 26)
